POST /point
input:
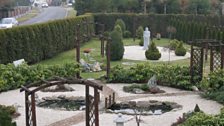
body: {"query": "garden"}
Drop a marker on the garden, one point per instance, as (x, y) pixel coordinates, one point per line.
(169, 83)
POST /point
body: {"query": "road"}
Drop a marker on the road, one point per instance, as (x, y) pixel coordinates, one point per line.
(50, 13)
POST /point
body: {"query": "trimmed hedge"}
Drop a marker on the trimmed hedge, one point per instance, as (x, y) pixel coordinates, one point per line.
(41, 41)
(12, 77)
(189, 27)
(157, 23)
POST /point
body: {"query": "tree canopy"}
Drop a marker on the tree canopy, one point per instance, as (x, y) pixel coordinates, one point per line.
(150, 6)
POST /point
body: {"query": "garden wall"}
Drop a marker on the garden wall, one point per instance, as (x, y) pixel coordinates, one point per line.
(40, 41)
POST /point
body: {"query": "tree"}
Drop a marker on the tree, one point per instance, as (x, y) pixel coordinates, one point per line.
(117, 46)
(102, 5)
(199, 7)
(184, 5)
(164, 3)
(7, 3)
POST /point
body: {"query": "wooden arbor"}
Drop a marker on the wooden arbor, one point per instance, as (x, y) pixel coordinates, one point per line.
(92, 115)
(199, 50)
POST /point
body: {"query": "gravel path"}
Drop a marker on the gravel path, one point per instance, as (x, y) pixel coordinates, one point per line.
(50, 117)
(137, 53)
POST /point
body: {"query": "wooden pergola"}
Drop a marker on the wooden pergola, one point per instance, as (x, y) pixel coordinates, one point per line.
(92, 114)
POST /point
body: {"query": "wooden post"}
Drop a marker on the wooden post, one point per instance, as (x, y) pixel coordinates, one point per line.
(102, 45)
(33, 108)
(134, 28)
(78, 47)
(222, 57)
(96, 101)
(106, 103)
(211, 60)
(191, 64)
(87, 106)
(113, 98)
(108, 57)
(109, 100)
(27, 108)
(201, 63)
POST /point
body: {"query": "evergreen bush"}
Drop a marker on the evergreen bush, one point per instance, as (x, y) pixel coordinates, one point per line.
(127, 34)
(121, 23)
(139, 34)
(118, 28)
(173, 44)
(117, 46)
(180, 50)
(152, 53)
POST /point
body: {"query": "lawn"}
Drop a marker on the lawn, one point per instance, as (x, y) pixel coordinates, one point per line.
(94, 45)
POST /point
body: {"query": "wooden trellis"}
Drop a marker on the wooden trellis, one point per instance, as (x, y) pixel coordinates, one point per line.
(92, 115)
(200, 47)
(196, 66)
(217, 57)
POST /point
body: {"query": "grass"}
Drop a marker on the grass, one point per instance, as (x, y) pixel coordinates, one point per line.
(34, 12)
(94, 45)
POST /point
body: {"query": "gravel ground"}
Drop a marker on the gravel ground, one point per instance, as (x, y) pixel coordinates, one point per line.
(137, 53)
(45, 116)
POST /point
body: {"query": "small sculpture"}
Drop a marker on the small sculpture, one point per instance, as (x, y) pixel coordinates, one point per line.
(146, 37)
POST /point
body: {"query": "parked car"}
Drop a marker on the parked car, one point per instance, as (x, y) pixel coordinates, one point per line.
(44, 5)
(8, 23)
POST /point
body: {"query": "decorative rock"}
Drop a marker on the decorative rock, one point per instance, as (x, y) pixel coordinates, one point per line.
(158, 112)
(152, 82)
(194, 88)
(137, 91)
(82, 108)
(96, 67)
(61, 96)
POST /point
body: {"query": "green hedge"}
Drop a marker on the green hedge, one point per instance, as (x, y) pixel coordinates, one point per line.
(174, 76)
(12, 77)
(41, 41)
(189, 27)
(157, 23)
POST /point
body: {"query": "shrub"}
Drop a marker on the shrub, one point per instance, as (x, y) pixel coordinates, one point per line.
(130, 88)
(118, 28)
(13, 77)
(202, 119)
(127, 34)
(180, 50)
(6, 116)
(121, 23)
(139, 32)
(173, 44)
(117, 47)
(173, 76)
(152, 53)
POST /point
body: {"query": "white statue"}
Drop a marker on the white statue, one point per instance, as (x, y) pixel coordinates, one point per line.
(146, 37)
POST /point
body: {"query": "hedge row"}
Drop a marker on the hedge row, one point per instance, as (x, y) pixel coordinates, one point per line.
(192, 28)
(189, 27)
(173, 76)
(12, 77)
(41, 41)
(157, 23)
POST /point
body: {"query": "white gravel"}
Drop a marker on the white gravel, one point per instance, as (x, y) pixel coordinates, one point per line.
(137, 53)
(49, 116)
